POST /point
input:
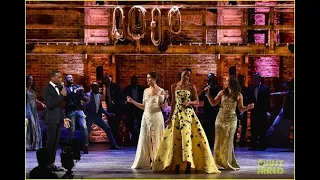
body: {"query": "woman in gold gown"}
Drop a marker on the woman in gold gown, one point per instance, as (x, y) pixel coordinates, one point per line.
(226, 123)
(184, 146)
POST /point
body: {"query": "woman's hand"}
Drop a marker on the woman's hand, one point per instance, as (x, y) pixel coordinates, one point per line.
(129, 99)
(43, 105)
(168, 121)
(186, 104)
(251, 105)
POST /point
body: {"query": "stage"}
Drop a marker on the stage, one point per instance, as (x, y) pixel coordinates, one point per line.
(101, 162)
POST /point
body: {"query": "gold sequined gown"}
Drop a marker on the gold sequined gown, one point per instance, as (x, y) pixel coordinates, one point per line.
(184, 140)
(225, 127)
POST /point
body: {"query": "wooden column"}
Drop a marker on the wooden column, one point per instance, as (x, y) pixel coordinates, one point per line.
(245, 23)
(272, 28)
(204, 28)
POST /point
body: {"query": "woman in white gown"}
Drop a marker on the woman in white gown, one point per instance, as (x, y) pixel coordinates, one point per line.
(152, 123)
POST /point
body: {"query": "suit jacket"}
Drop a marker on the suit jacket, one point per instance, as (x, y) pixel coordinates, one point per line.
(73, 99)
(245, 96)
(116, 97)
(128, 92)
(53, 113)
(90, 108)
(262, 104)
(210, 111)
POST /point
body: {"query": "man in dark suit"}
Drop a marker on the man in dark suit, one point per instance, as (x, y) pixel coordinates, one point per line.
(74, 110)
(53, 115)
(134, 114)
(259, 95)
(242, 116)
(115, 104)
(210, 112)
(94, 111)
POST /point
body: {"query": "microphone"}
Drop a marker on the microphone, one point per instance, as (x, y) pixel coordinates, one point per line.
(62, 84)
(207, 87)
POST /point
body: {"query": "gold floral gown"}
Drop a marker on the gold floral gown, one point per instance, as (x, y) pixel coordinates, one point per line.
(225, 127)
(184, 140)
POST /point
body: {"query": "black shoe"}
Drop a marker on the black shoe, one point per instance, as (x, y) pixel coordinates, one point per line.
(177, 169)
(115, 147)
(85, 150)
(56, 168)
(188, 169)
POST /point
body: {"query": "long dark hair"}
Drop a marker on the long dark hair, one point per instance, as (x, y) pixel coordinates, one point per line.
(33, 86)
(154, 75)
(234, 86)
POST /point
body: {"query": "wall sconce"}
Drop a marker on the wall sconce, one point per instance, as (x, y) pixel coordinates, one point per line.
(218, 56)
(246, 58)
(113, 58)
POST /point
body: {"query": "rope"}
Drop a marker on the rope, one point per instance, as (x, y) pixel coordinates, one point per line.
(117, 32)
(174, 12)
(137, 22)
(154, 25)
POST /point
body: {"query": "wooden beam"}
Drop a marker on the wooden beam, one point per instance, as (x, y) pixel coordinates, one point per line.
(271, 16)
(184, 27)
(172, 49)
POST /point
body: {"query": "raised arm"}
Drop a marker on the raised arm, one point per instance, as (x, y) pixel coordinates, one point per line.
(139, 105)
(240, 104)
(216, 100)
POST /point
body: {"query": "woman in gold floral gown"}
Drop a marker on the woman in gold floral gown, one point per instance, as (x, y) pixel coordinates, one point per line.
(226, 123)
(184, 145)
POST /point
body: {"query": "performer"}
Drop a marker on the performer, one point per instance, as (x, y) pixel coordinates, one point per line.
(94, 110)
(53, 115)
(74, 110)
(184, 145)
(152, 123)
(226, 123)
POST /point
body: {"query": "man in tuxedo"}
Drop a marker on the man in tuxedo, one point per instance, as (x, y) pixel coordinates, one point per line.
(74, 110)
(94, 110)
(259, 95)
(242, 116)
(115, 104)
(53, 115)
(210, 112)
(135, 91)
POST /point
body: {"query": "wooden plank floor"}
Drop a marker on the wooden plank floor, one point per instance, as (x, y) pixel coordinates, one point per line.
(104, 163)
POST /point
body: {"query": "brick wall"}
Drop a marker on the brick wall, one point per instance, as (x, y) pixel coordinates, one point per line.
(83, 67)
(288, 19)
(231, 17)
(287, 68)
(262, 18)
(55, 19)
(98, 16)
(167, 68)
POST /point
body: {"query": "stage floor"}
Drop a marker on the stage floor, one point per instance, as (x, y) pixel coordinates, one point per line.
(104, 163)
